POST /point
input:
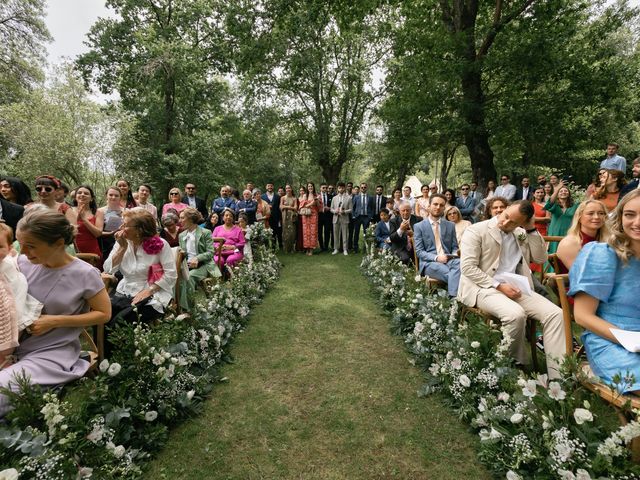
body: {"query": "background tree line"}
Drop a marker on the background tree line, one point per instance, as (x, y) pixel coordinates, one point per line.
(231, 91)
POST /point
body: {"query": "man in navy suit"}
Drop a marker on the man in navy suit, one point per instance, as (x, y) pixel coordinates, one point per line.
(363, 210)
(401, 236)
(436, 245)
(379, 202)
(11, 213)
(465, 203)
(193, 201)
(524, 192)
(633, 184)
(383, 230)
(273, 199)
(325, 219)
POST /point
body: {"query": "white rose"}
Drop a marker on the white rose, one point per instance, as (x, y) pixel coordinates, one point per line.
(456, 364)
(475, 344)
(119, 451)
(151, 415)
(114, 369)
(464, 381)
(190, 394)
(582, 415)
(582, 474)
(511, 475)
(85, 472)
(566, 474)
(517, 418)
(104, 365)
(503, 397)
(9, 474)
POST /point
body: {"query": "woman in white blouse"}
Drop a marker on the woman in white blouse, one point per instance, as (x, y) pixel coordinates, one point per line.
(147, 265)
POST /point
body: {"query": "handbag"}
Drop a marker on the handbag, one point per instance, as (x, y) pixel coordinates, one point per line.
(306, 211)
(155, 273)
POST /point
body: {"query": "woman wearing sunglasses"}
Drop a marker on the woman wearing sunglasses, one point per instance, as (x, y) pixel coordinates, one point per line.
(175, 201)
(46, 186)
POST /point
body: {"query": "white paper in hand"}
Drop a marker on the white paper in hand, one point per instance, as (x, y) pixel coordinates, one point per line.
(519, 281)
(628, 339)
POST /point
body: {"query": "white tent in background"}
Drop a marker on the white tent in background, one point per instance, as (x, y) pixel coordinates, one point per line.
(415, 185)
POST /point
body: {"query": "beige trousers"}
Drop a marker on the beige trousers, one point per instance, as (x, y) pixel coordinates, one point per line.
(513, 316)
(340, 232)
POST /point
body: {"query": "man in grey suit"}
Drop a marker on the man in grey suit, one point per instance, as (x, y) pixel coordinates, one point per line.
(341, 208)
(436, 246)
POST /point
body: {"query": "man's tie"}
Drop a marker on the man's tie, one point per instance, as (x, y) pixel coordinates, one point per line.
(364, 204)
(436, 236)
(379, 198)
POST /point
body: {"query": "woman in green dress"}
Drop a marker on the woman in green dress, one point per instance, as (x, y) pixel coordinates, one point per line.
(289, 209)
(562, 209)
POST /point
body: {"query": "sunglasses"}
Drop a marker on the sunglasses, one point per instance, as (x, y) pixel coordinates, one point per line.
(190, 188)
(174, 193)
(44, 188)
(463, 189)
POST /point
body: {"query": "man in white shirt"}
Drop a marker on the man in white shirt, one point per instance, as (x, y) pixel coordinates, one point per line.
(407, 197)
(613, 160)
(144, 191)
(505, 190)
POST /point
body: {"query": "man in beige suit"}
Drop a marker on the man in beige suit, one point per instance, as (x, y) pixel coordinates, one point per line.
(341, 209)
(499, 247)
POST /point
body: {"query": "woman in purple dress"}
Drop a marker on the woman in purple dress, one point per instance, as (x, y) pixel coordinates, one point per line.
(233, 248)
(73, 296)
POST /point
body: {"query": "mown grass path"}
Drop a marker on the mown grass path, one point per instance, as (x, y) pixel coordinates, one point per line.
(320, 390)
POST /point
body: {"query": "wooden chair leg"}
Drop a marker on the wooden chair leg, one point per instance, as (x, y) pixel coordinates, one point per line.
(531, 333)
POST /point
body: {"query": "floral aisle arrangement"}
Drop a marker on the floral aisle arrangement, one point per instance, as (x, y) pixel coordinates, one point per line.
(106, 427)
(529, 427)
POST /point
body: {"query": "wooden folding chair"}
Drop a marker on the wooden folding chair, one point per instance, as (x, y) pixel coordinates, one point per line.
(432, 283)
(91, 258)
(95, 354)
(208, 282)
(179, 258)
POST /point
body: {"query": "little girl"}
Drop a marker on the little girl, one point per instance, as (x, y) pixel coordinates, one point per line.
(18, 309)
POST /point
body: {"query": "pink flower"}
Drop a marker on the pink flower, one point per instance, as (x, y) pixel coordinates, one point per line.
(152, 245)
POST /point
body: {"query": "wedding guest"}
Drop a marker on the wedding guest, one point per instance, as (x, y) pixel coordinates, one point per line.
(506, 189)
(474, 193)
(548, 191)
(601, 279)
(234, 241)
(383, 230)
(453, 215)
(90, 222)
(401, 235)
(541, 216)
(10, 212)
(490, 191)
(422, 203)
(15, 191)
(175, 201)
(289, 210)
(609, 191)
(554, 180)
(341, 207)
(308, 209)
(466, 205)
(61, 193)
(362, 213)
(302, 192)
(197, 245)
(112, 215)
(263, 209)
(391, 207)
(589, 225)
(194, 201)
(325, 219)
(613, 161)
(495, 206)
(73, 297)
(635, 181)
(397, 199)
(144, 192)
(408, 197)
(271, 200)
(224, 201)
(598, 181)
(281, 191)
(450, 197)
(247, 206)
(562, 209)
(46, 186)
(212, 222)
(148, 269)
(126, 195)
(379, 201)
(171, 229)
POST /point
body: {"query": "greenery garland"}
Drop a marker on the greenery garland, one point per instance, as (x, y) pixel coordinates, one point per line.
(106, 427)
(529, 427)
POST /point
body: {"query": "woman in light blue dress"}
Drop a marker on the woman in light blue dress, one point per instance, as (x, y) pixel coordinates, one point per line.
(605, 279)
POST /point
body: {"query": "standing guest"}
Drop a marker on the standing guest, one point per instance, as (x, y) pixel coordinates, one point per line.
(15, 191)
(453, 215)
(397, 199)
(589, 225)
(234, 241)
(171, 229)
(352, 221)
(325, 219)
(383, 230)
(10, 213)
(450, 196)
(90, 222)
(46, 186)
(263, 209)
(223, 201)
(289, 212)
(112, 215)
(437, 246)
(466, 205)
(193, 201)
(247, 206)
(554, 180)
(331, 190)
(273, 200)
(212, 221)
(541, 217)
(281, 192)
(302, 192)
(474, 193)
(609, 192)
(148, 269)
(379, 202)
(524, 192)
(309, 208)
(349, 188)
(548, 191)
(363, 209)
(613, 161)
(542, 180)
(495, 206)
(422, 203)
(505, 189)
(174, 201)
(490, 191)
(603, 279)
(635, 182)
(495, 247)
(126, 195)
(61, 193)
(250, 186)
(341, 207)
(562, 209)
(197, 244)
(407, 196)
(72, 294)
(401, 235)
(144, 192)
(390, 206)
(598, 182)
(433, 188)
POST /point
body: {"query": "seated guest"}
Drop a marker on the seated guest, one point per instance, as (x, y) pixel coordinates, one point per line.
(450, 197)
(453, 215)
(73, 296)
(247, 206)
(397, 199)
(90, 222)
(635, 181)
(436, 246)
(383, 230)
(144, 192)
(10, 213)
(609, 191)
(233, 247)
(212, 222)
(225, 200)
(171, 229)
(495, 247)
(465, 203)
(495, 206)
(148, 269)
(197, 245)
(15, 191)
(588, 226)
(603, 280)
(562, 210)
(194, 201)
(112, 215)
(175, 201)
(401, 233)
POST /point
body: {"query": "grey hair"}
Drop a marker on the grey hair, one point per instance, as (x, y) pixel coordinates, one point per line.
(404, 203)
(256, 190)
(172, 217)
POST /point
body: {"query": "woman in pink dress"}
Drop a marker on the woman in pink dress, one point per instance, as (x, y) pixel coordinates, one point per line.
(233, 248)
(175, 202)
(308, 209)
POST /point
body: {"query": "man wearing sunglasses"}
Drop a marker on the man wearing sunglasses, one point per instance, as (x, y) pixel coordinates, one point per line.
(465, 203)
(192, 200)
(505, 190)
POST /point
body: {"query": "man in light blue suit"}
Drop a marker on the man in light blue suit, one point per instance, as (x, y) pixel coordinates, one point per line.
(437, 247)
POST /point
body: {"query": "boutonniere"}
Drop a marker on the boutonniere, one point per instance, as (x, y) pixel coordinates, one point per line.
(520, 234)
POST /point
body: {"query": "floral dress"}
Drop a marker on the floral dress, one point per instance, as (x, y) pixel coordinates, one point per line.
(310, 222)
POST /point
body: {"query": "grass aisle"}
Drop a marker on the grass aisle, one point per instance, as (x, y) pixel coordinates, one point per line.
(320, 390)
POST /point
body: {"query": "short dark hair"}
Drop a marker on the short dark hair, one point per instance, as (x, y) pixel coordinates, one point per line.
(613, 144)
(465, 185)
(341, 184)
(323, 183)
(145, 186)
(379, 186)
(64, 187)
(350, 183)
(505, 175)
(636, 161)
(437, 195)
(384, 210)
(525, 207)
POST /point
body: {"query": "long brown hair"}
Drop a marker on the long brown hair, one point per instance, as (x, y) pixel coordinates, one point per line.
(618, 239)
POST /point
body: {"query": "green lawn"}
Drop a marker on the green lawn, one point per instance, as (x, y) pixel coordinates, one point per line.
(320, 390)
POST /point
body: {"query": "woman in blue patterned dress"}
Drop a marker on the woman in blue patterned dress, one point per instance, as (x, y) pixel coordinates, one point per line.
(604, 280)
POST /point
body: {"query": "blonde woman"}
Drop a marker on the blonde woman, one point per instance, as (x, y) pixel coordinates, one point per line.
(453, 215)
